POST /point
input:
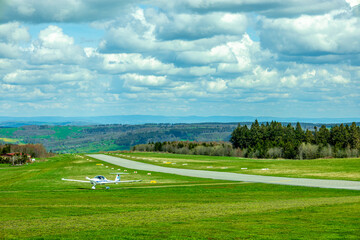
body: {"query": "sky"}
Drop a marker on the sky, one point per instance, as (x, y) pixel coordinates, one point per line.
(294, 58)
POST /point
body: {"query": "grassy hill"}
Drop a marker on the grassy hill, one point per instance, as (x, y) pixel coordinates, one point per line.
(35, 203)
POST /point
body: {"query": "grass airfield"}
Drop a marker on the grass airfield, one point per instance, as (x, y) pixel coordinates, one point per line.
(36, 204)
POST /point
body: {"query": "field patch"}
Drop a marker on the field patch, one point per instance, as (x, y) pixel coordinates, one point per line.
(11, 140)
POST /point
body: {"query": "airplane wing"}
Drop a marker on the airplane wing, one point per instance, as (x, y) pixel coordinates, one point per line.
(132, 181)
(74, 180)
(124, 181)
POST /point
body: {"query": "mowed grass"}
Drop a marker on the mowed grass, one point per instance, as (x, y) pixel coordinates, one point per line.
(35, 203)
(333, 168)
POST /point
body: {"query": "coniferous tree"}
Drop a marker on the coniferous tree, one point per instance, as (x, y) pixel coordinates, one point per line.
(240, 137)
(299, 134)
(309, 137)
(338, 137)
(323, 136)
(354, 133)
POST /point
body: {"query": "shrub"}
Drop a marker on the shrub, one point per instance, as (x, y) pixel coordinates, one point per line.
(238, 152)
(217, 151)
(275, 152)
(200, 150)
(253, 153)
(326, 151)
(308, 151)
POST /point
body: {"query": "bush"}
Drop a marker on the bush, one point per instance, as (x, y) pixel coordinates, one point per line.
(183, 150)
(252, 153)
(275, 152)
(239, 153)
(326, 152)
(308, 151)
(217, 151)
(340, 153)
(201, 150)
(354, 153)
(351, 152)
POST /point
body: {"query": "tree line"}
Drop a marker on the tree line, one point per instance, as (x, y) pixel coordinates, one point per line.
(272, 140)
(21, 153)
(189, 147)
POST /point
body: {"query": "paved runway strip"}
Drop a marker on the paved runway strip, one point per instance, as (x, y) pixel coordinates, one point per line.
(339, 184)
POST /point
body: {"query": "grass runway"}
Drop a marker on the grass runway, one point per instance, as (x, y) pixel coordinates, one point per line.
(35, 203)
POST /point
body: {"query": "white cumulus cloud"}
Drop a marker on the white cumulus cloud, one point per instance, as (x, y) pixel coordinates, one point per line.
(55, 47)
(332, 33)
(132, 79)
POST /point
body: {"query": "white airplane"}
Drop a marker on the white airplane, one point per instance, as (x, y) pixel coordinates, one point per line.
(101, 180)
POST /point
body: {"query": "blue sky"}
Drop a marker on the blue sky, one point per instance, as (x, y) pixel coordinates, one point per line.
(296, 58)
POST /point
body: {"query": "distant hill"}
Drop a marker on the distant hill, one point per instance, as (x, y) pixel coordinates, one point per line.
(93, 138)
(67, 138)
(143, 119)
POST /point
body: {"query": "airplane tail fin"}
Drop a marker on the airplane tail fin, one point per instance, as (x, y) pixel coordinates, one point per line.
(117, 178)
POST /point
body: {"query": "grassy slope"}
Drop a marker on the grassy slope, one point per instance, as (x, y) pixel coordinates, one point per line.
(104, 145)
(35, 203)
(343, 168)
(6, 136)
(7, 132)
(62, 133)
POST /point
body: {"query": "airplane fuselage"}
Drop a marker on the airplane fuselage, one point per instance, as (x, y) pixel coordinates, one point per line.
(101, 180)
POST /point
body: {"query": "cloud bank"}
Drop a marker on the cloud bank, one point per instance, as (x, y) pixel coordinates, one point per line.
(279, 58)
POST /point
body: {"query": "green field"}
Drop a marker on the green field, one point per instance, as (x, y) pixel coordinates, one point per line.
(8, 132)
(11, 140)
(106, 145)
(332, 168)
(35, 203)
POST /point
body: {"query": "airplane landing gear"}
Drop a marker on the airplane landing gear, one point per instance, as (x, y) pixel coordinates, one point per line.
(107, 187)
(93, 187)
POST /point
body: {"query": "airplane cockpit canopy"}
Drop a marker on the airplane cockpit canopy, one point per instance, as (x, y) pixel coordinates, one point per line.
(100, 177)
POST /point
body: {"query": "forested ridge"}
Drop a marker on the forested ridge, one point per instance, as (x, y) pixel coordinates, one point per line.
(273, 140)
(276, 140)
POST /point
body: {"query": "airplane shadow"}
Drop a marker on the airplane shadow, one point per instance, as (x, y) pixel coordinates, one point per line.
(90, 189)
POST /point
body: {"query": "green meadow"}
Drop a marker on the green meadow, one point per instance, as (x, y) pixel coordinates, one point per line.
(11, 140)
(36, 204)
